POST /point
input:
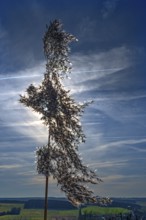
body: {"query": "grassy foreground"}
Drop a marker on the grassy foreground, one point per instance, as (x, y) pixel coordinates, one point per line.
(37, 214)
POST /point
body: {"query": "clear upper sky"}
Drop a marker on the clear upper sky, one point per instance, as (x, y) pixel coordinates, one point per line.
(109, 66)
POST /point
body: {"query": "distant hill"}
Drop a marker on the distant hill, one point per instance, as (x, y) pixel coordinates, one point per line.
(13, 200)
(128, 203)
(57, 203)
(53, 204)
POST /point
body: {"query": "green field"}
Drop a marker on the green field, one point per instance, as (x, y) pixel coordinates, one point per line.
(104, 210)
(37, 214)
(32, 214)
(7, 207)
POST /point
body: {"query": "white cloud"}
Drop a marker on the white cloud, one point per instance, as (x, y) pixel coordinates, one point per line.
(85, 68)
(107, 164)
(101, 64)
(10, 166)
(40, 180)
(26, 124)
(117, 144)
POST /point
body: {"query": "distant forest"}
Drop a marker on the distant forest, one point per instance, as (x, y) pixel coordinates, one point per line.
(64, 204)
(52, 204)
(13, 211)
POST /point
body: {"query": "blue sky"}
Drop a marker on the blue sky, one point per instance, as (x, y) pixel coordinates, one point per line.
(108, 67)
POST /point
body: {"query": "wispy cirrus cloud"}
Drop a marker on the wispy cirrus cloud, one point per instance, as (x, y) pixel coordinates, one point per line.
(121, 144)
(10, 166)
(92, 72)
(96, 76)
(109, 68)
(109, 6)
